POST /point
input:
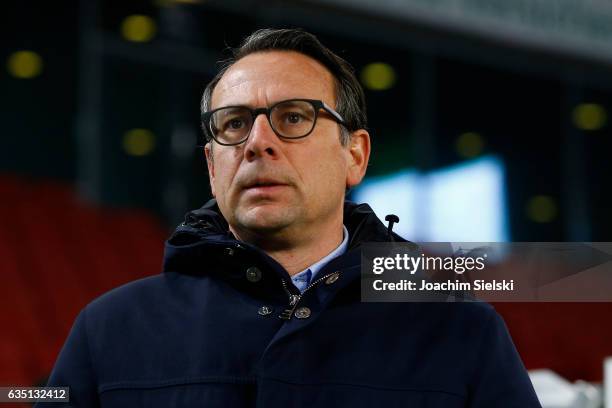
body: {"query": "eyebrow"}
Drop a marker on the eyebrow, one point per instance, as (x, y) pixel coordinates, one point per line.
(251, 106)
(235, 107)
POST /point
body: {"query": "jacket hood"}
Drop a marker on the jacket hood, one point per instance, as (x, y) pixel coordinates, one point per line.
(203, 245)
(207, 224)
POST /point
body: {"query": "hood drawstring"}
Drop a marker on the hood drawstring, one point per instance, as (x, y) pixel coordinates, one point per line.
(392, 219)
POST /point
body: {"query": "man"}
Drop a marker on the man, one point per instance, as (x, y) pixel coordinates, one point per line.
(259, 302)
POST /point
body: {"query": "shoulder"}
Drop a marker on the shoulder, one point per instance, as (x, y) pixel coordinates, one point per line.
(458, 312)
(461, 323)
(476, 315)
(152, 305)
(476, 310)
(142, 296)
(128, 293)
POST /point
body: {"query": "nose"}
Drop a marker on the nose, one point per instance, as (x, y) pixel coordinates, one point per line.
(262, 141)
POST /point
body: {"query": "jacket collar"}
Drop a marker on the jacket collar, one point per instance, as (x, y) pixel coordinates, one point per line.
(207, 224)
(203, 244)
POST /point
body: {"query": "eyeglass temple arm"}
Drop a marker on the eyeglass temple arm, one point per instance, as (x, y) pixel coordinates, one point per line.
(332, 112)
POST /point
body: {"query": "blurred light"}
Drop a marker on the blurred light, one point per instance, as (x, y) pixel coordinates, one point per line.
(138, 28)
(138, 142)
(378, 76)
(24, 64)
(404, 186)
(589, 116)
(541, 209)
(469, 145)
(475, 188)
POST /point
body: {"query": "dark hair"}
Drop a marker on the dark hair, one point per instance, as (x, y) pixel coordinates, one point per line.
(350, 100)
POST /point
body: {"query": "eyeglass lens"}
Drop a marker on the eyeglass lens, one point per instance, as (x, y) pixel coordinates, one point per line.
(290, 119)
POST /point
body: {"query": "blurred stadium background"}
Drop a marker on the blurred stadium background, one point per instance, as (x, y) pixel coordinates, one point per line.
(490, 121)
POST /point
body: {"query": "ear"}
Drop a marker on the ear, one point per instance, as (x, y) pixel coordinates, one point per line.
(211, 166)
(358, 152)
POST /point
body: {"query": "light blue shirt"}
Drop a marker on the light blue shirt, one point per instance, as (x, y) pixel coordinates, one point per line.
(302, 280)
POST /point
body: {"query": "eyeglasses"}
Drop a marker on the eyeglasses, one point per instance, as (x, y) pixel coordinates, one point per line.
(290, 119)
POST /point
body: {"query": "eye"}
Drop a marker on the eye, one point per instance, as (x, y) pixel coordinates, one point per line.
(235, 124)
(230, 120)
(293, 118)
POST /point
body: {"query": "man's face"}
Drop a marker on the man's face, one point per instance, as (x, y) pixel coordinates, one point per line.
(267, 185)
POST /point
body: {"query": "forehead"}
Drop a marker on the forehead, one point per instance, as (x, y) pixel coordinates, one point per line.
(263, 78)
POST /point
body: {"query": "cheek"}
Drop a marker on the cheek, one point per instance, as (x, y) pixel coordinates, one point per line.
(224, 173)
(328, 171)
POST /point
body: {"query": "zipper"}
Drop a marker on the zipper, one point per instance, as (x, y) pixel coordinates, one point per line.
(295, 299)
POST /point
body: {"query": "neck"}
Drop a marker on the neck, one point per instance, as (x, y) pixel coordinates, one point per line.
(295, 252)
(298, 258)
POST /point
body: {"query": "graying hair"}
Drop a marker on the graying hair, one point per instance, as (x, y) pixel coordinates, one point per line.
(350, 99)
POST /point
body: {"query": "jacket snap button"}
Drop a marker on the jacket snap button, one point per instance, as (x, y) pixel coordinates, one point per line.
(265, 310)
(332, 278)
(229, 251)
(302, 313)
(253, 274)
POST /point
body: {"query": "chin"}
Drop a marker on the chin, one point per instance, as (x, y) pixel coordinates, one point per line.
(266, 218)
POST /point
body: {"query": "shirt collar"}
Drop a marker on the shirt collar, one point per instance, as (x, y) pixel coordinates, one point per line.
(307, 275)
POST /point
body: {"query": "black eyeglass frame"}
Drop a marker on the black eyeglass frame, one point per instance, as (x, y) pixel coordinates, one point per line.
(316, 104)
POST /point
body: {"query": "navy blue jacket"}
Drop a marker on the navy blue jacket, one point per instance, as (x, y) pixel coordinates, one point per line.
(217, 329)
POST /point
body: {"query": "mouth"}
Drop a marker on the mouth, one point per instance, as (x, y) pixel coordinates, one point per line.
(264, 187)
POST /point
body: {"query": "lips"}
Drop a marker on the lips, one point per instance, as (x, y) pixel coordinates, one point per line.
(264, 188)
(263, 183)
